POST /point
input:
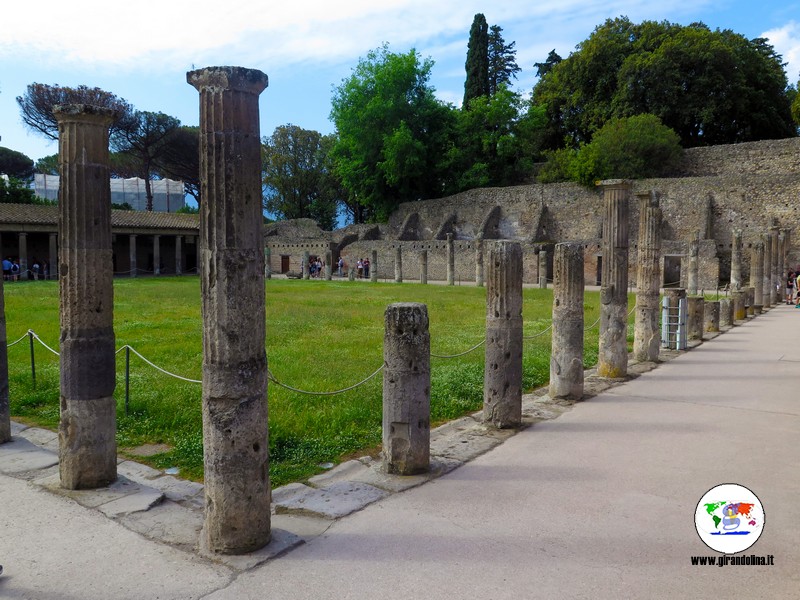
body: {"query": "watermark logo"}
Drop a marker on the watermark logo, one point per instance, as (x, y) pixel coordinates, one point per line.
(729, 518)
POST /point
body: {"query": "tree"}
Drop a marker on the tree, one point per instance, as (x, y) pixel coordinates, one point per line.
(543, 68)
(502, 64)
(392, 132)
(14, 191)
(142, 137)
(294, 176)
(477, 65)
(15, 164)
(711, 87)
(180, 159)
(47, 165)
(36, 105)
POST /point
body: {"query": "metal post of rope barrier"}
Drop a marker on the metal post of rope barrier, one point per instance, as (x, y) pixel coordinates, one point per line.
(33, 359)
(127, 378)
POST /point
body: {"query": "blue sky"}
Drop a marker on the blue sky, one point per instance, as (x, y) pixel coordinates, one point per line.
(141, 51)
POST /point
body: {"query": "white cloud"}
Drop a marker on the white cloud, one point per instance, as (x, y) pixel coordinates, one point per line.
(786, 41)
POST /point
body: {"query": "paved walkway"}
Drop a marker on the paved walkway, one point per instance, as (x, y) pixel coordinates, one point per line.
(597, 503)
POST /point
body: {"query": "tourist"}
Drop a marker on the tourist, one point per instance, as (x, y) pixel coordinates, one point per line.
(341, 266)
(7, 268)
(790, 281)
(35, 268)
(360, 268)
(366, 268)
(15, 270)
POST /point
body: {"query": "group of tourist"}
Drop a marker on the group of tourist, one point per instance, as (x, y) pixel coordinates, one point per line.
(12, 271)
(362, 268)
(792, 287)
(315, 267)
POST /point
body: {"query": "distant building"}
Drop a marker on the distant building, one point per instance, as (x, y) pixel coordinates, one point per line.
(168, 194)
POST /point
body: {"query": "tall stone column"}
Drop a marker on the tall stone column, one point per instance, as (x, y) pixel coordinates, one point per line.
(235, 434)
(566, 356)
(451, 260)
(612, 360)
(53, 257)
(87, 429)
(267, 262)
(5, 414)
(132, 254)
(423, 266)
(23, 255)
(542, 269)
(774, 250)
(373, 267)
(767, 269)
(479, 263)
(502, 381)
(694, 265)
(306, 266)
(156, 255)
(178, 255)
(757, 273)
(398, 264)
(406, 389)
(329, 265)
(787, 260)
(782, 271)
(647, 336)
(736, 260)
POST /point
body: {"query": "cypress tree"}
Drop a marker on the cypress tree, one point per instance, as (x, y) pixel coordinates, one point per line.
(501, 60)
(477, 65)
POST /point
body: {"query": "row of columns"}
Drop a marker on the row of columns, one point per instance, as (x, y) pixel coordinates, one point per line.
(132, 254)
(22, 253)
(768, 265)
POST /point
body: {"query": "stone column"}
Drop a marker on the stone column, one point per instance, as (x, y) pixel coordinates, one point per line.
(5, 414)
(787, 259)
(736, 260)
(178, 255)
(502, 381)
(566, 356)
(267, 262)
(87, 429)
(647, 336)
(132, 254)
(398, 264)
(782, 271)
(156, 255)
(767, 268)
(739, 310)
(406, 389)
(329, 265)
(694, 317)
(725, 312)
(757, 274)
(543, 269)
(373, 267)
(774, 250)
(423, 266)
(23, 255)
(694, 266)
(451, 260)
(612, 360)
(235, 434)
(479, 263)
(711, 318)
(53, 258)
(749, 301)
(306, 266)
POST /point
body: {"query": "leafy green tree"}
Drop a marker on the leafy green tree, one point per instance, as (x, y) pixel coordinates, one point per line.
(15, 164)
(502, 63)
(294, 176)
(142, 138)
(711, 87)
(543, 68)
(180, 159)
(14, 191)
(188, 210)
(47, 165)
(392, 132)
(796, 105)
(36, 105)
(477, 65)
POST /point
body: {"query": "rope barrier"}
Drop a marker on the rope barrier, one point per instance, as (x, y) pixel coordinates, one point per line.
(535, 335)
(475, 347)
(32, 333)
(273, 379)
(157, 368)
(18, 341)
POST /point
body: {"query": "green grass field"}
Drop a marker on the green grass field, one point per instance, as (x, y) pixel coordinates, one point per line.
(321, 336)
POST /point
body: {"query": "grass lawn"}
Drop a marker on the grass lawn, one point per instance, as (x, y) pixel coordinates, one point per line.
(321, 336)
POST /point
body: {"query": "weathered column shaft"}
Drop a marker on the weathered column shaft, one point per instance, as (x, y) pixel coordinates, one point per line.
(156, 255)
(749, 300)
(725, 312)
(479, 264)
(451, 260)
(423, 266)
(694, 266)
(5, 413)
(543, 269)
(647, 336)
(736, 260)
(767, 269)
(235, 434)
(613, 350)
(711, 318)
(502, 380)
(306, 266)
(178, 255)
(782, 271)
(23, 255)
(328, 265)
(694, 317)
(774, 275)
(267, 262)
(132, 254)
(373, 267)
(757, 272)
(739, 310)
(406, 389)
(566, 356)
(53, 257)
(87, 429)
(398, 264)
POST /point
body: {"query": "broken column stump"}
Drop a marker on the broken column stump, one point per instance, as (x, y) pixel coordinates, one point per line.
(566, 356)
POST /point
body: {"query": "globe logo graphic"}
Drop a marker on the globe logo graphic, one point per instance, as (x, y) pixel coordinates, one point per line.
(729, 518)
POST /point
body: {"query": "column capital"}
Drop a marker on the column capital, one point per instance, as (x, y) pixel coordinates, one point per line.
(86, 113)
(239, 79)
